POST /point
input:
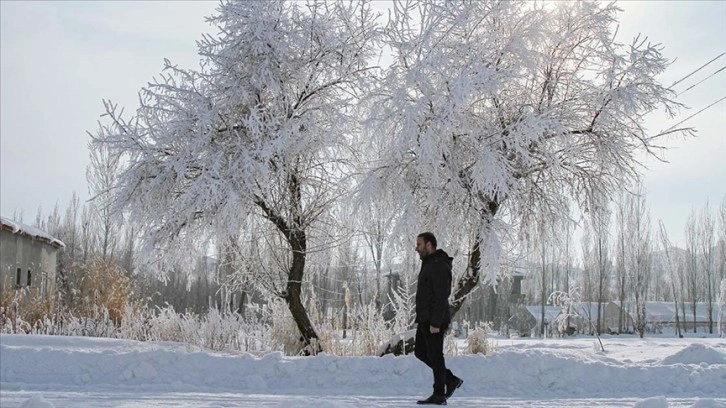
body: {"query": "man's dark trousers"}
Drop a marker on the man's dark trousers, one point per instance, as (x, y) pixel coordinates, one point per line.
(430, 350)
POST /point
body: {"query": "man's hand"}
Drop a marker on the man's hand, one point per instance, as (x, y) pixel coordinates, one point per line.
(433, 329)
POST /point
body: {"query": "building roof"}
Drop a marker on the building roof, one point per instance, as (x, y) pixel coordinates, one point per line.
(26, 230)
(589, 309)
(551, 312)
(665, 311)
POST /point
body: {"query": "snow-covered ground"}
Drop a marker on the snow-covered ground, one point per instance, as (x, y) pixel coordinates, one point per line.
(54, 371)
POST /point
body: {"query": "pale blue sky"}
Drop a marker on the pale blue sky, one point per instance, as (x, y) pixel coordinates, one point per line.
(58, 60)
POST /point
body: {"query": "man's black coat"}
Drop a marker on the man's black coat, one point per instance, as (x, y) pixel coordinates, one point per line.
(433, 290)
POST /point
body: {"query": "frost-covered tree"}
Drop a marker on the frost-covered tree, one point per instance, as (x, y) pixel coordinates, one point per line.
(621, 245)
(572, 307)
(374, 222)
(101, 175)
(589, 277)
(706, 246)
(546, 240)
(566, 231)
(671, 270)
(721, 267)
(66, 230)
(638, 255)
(87, 231)
(505, 110)
(262, 129)
(721, 327)
(721, 245)
(600, 223)
(692, 276)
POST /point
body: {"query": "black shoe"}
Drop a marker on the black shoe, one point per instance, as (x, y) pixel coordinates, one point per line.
(450, 388)
(433, 400)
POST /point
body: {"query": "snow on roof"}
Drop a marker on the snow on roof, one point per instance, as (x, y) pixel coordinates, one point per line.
(588, 309)
(35, 233)
(657, 311)
(665, 311)
(551, 312)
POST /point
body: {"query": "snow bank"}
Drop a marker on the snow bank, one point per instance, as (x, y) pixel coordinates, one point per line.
(38, 363)
(697, 354)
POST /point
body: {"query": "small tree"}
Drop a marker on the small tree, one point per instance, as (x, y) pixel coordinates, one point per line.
(572, 308)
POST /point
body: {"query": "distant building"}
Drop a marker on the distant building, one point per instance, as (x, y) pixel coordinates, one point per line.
(582, 319)
(527, 320)
(662, 315)
(516, 294)
(27, 257)
(611, 318)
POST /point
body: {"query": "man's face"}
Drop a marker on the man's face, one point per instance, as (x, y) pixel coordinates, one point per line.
(423, 248)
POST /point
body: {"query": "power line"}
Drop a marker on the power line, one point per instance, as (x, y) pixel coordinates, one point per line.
(676, 125)
(691, 87)
(700, 68)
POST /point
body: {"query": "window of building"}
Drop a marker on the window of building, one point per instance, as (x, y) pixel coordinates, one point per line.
(17, 277)
(29, 275)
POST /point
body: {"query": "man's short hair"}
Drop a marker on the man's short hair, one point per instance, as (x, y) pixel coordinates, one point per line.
(428, 237)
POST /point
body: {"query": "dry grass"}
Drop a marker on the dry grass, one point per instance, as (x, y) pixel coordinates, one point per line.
(104, 286)
(478, 341)
(25, 309)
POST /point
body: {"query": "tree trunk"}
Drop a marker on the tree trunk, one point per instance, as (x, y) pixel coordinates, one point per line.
(470, 279)
(293, 295)
(600, 287)
(543, 293)
(693, 308)
(678, 324)
(295, 236)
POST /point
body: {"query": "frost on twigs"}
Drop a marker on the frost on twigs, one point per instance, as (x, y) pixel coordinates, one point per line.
(509, 111)
(265, 130)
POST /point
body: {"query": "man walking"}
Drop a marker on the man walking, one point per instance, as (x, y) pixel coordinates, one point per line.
(433, 316)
